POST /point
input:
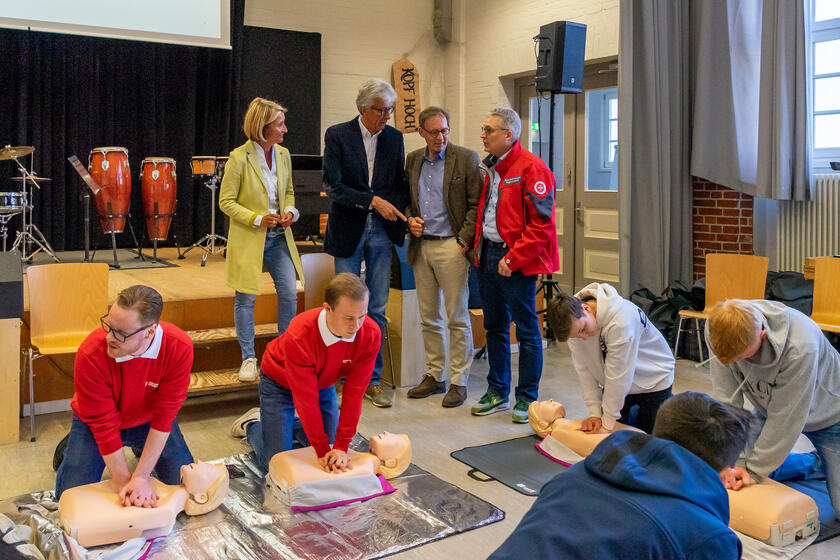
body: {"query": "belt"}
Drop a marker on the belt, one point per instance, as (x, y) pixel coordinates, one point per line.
(435, 237)
(494, 244)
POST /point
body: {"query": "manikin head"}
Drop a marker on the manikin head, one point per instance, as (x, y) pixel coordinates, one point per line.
(736, 330)
(207, 485)
(393, 451)
(714, 431)
(500, 131)
(346, 302)
(131, 321)
(541, 414)
(375, 102)
(570, 317)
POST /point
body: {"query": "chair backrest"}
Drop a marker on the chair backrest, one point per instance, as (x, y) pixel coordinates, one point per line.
(318, 270)
(826, 281)
(729, 275)
(66, 298)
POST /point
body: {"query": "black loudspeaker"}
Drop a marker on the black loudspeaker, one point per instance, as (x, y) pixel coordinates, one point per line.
(11, 286)
(560, 57)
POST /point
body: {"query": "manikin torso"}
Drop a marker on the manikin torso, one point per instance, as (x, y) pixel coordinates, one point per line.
(568, 433)
(301, 465)
(93, 514)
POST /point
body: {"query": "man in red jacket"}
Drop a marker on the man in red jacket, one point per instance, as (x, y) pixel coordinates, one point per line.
(515, 240)
(299, 372)
(131, 377)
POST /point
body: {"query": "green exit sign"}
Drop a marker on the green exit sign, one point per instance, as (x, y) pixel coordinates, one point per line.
(535, 126)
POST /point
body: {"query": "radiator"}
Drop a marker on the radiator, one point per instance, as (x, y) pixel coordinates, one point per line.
(809, 229)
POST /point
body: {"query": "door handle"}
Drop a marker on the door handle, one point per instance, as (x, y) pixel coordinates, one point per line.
(578, 212)
(568, 175)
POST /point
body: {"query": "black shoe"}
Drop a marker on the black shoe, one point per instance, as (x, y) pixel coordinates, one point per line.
(429, 386)
(58, 454)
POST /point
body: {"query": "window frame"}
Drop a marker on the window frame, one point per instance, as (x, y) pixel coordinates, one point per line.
(827, 30)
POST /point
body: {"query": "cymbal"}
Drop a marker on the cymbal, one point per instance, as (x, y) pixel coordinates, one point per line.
(32, 177)
(10, 152)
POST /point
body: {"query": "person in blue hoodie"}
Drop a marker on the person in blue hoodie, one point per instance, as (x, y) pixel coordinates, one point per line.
(643, 496)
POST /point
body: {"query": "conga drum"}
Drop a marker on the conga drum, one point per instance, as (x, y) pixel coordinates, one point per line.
(203, 165)
(158, 183)
(109, 168)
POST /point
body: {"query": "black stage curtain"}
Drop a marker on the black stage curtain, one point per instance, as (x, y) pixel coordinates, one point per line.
(66, 94)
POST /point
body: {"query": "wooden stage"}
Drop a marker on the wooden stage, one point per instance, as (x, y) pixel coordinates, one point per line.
(196, 299)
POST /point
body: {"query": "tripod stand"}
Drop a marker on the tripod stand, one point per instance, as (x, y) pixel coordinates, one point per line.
(29, 232)
(208, 242)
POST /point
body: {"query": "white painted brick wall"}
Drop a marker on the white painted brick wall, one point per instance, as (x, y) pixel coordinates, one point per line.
(491, 42)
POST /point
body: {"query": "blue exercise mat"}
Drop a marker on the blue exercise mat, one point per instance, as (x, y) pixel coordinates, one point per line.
(829, 526)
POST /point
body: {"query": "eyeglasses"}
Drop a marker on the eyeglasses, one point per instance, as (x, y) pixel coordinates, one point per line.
(383, 110)
(434, 133)
(488, 130)
(119, 335)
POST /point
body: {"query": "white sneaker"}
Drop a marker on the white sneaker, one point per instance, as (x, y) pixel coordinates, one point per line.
(239, 426)
(248, 370)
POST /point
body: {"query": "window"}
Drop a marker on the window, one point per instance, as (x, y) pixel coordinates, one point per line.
(601, 139)
(825, 52)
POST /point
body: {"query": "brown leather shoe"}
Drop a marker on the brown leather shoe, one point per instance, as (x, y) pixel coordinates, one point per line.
(456, 396)
(429, 386)
(380, 398)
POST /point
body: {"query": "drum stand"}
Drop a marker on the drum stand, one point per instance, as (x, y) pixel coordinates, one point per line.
(29, 232)
(4, 231)
(154, 239)
(208, 242)
(110, 216)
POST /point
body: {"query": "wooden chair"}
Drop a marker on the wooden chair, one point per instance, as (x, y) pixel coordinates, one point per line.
(728, 276)
(826, 311)
(65, 303)
(318, 270)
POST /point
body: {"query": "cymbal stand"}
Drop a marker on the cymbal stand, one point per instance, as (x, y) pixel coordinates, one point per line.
(29, 232)
(208, 242)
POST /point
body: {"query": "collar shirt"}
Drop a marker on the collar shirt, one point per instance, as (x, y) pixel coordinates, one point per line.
(490, 231)
(151, 352)
(328, 337)
(430, 195)
(269, 176)
(370, 141)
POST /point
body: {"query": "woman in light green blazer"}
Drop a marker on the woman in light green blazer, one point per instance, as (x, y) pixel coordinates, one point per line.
(258, 195)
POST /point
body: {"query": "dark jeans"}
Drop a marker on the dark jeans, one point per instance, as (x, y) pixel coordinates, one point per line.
(504, 298)
(640, 409)
(276, 431)
(83, 464)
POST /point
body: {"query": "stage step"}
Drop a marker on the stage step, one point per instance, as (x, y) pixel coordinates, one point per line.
(217, 381)
(227, 334)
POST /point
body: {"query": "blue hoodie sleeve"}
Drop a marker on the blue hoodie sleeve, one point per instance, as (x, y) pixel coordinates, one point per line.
(722, 545)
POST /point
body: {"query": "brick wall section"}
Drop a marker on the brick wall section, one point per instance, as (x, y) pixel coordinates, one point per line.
(722, 220)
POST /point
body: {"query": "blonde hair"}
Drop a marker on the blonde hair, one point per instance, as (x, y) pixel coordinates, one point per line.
(261, 112)
(734, 326)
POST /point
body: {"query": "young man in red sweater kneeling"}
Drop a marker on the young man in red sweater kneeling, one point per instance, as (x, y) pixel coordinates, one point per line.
(131, 377)
(300, 368)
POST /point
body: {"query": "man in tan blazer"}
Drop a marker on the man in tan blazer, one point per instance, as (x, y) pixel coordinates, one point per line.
(445, 186)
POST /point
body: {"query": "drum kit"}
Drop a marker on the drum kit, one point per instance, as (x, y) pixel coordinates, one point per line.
(211, 167)
(22, 202)
(110, 181)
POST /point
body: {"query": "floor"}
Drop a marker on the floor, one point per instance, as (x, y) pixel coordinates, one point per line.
(26, 466)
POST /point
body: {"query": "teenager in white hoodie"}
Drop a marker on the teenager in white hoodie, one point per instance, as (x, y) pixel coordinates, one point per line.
(625, 367)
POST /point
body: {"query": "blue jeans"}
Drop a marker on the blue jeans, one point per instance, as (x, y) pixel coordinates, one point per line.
(502, 299)
(275, 432)
(375, 249)
(83, 464)
(278, 262)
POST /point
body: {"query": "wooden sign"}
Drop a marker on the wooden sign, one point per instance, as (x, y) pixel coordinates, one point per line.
(406, 80)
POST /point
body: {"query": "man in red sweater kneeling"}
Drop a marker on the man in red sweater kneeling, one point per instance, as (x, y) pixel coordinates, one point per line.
(131, 377)
(300, 368)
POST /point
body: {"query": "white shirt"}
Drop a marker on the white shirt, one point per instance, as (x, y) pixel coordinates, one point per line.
(270, 180)
(370, 141)
(151, 352)
(326, 335)
(489, 229)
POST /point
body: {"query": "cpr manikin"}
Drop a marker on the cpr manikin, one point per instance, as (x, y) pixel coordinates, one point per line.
(768, 511)
(298, 474)
(93, 514)
(541, 414)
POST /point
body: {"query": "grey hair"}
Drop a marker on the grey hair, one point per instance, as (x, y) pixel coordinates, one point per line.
(510, 120)
(372, 90)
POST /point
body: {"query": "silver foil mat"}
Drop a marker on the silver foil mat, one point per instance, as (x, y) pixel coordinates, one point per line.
(255, 524)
